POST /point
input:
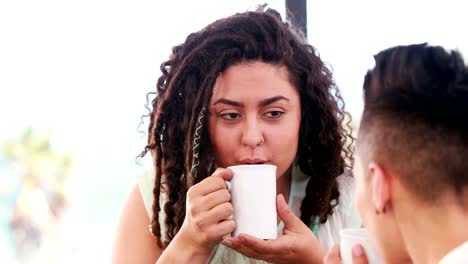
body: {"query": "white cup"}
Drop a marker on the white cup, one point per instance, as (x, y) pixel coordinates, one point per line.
(253, 197)
(352, 236)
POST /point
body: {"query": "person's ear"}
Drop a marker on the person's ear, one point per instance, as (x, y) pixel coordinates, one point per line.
(380, 182)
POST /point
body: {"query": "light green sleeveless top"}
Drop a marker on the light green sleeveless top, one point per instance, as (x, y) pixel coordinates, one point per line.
(345, 214)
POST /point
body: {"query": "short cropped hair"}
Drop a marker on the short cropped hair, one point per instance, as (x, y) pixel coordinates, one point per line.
(415, 119)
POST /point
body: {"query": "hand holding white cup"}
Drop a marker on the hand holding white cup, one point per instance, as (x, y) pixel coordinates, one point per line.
(352, 236)
(253, 197)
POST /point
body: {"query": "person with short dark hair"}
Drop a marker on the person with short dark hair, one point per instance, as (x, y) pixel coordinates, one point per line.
(411, 165)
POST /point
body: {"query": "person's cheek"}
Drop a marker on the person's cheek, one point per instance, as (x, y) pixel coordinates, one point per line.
(361, 205)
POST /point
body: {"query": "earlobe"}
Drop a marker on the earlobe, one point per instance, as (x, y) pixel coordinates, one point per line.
(380, 184)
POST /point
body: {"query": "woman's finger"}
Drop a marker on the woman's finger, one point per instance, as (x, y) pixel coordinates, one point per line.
(264, 246)
(219, 213)
(333, 257)
(215, 182)
(291, 221)
(214, 199)
(222, 229)
(239, 246)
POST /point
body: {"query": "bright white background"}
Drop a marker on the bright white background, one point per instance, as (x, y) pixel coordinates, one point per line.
(83, 68)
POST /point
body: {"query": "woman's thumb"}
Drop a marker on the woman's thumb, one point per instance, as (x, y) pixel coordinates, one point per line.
(285, 213)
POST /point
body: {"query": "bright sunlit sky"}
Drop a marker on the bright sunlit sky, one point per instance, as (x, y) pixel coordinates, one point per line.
(83, 68)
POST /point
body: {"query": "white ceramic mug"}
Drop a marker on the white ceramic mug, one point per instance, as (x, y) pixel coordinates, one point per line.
(253, 197)
(352, 236)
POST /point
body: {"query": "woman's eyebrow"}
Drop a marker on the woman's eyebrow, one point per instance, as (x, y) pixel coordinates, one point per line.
(228, 102)
(272, 100)
(262, 103)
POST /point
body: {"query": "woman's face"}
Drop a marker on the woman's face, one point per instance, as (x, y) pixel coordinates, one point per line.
(255, 115)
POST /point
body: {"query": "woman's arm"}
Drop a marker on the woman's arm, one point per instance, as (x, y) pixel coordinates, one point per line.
(133, 242)
(207, 209)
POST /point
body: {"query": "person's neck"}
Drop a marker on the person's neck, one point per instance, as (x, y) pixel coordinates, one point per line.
(431, 232)
(283, 184)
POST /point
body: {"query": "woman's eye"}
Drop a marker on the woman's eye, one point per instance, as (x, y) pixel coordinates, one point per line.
(230, 116)
(274, 114)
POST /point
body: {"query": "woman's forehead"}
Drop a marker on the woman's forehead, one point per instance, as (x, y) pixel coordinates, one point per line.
(255, 79)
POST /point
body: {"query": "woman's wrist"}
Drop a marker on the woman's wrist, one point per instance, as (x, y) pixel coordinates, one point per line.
(194, 251)
(182, 250)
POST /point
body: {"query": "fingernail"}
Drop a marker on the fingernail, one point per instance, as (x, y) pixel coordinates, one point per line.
(227, 243)
(242, 239)
(357, 250)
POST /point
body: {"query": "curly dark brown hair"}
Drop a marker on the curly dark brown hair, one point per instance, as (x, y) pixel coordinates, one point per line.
(185, 89)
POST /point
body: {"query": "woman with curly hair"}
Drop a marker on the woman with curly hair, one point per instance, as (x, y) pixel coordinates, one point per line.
(246, 89)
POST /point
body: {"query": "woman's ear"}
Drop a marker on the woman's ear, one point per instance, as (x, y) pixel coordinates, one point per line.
(381, 187)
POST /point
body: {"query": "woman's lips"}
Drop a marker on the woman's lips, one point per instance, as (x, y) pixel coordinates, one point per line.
(253, 161)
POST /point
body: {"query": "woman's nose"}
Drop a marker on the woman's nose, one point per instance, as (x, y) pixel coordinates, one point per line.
(252, 135)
